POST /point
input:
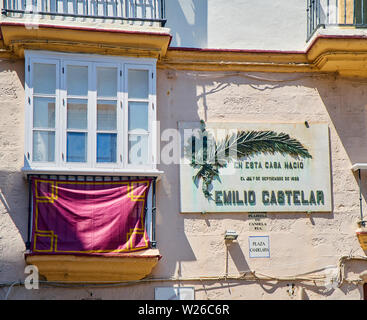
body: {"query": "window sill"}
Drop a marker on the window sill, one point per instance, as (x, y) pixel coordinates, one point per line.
(92, 171)
(95, 269)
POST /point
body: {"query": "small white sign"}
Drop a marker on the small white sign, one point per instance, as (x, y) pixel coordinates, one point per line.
(259, 247)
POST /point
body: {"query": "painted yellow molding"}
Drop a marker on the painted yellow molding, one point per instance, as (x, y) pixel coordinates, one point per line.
(343, 54)
(5, 53)
(95, 269)
(235, 60)
(17, 37)
(346, 55)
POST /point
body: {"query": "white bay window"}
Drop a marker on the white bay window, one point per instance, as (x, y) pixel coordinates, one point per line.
(85, 111)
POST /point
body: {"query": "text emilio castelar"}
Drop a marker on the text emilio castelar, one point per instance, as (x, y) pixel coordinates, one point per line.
(270, 197)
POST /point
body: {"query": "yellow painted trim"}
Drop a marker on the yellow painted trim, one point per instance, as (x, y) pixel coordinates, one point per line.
(17, 38)
(324, 44)
(5, 53)
(345, 55)
(95, 269)
(222, 60)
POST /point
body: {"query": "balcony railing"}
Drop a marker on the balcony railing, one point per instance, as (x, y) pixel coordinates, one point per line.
(322, 13)
(133, 11)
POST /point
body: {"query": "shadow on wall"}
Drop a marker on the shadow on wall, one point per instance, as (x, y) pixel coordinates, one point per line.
(286, 290)
(345, 102)
(344, 105)
(13, 187)
(14, 199)
(187, 97)
(345, 108)
(188, 21)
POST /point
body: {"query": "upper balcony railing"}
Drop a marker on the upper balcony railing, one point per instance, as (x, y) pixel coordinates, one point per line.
(147, 12)
(342, 13)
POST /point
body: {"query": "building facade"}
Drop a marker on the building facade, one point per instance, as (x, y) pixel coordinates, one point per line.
(99, 96)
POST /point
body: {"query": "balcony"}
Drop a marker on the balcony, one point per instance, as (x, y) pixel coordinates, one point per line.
(336, 36)
(336, 14)
(127, 259)
(108, 27)
(133, 12)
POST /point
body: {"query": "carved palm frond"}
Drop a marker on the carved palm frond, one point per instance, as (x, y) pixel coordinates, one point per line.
(240, 145)
(249, 143)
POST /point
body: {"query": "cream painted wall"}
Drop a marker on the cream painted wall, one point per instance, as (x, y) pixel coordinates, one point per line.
(299, 243)
(266, 24)
(192, 244)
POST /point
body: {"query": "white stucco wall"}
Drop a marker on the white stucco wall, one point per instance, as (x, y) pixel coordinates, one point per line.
(238, 24)
(192, 245)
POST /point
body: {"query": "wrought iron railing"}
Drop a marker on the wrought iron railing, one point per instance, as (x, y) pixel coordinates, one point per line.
(144, 11)
(322, 13)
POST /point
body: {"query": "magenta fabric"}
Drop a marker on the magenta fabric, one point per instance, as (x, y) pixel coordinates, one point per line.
(86, 217)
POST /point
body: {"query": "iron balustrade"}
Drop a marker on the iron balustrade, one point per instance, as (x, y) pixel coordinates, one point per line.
(144, 11)
(323, 13)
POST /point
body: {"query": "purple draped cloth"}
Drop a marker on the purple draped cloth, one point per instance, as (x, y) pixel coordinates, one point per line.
(89, 217)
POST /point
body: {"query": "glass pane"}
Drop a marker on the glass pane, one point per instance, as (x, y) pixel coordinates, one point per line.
(138, 84)
(77, 80)
(77, 117)
(106, 147)
(43, 146)
(138, 149)
(44, 113)
(76, 147)
(106, 115)
(106, 82)
(138, 115)
(44, 78)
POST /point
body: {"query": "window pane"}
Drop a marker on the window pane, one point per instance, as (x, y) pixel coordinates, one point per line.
(138, 115)
(43, 146)
(106, 115)
(44, 78)
(76, 147)
(106, 82)
(77, 80)
(138, 149)
(44, 113)
(138, 84)
(106, 147)
(77, 117)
